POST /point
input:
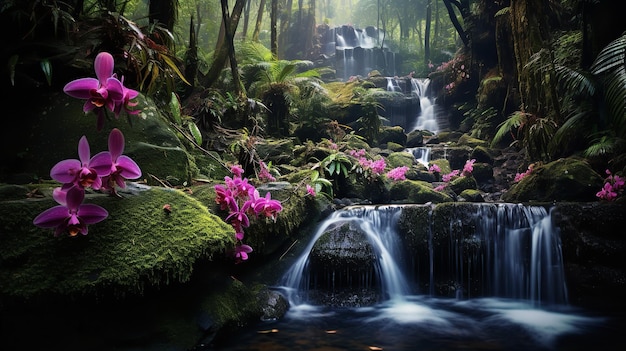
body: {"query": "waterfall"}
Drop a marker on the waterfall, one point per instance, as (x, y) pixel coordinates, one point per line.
(364, 55)
(499, 250)
(379, 224)
(421, 154)
(426, 120)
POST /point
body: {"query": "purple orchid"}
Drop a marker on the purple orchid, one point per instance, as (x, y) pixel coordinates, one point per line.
(267, 206)
(104, 92)
(123, 167)
(125, 103)
(71, 215)
(242, 251)
(85, 172)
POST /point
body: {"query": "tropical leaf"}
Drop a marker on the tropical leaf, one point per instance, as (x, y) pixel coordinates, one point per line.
(514, 121)
(195, 132)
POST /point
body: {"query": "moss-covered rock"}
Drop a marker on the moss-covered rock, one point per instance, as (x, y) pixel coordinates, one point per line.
(415, 192)
(459, 184)
(566, 179)
(400, 158)
(138, 245)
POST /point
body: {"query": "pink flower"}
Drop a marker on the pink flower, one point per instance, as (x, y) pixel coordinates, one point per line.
(398, 173)
(267, 206)
(123, 167)
(448, 177)
(242, 251)
(71, 215)
(104, 92)
(469, 167)
(310, 190)
(237, 171)
(434, 169)
(607, 192)
(84, 172)
(378, 166)
(441, 187)
(264, 173)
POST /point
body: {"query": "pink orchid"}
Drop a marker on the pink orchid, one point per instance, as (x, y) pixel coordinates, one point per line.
(123, 167)
(434, 169)
(310, 190)
(242, 251)
(71, 214)
(125, 103)
(398, 173)
(267, 206)
(469, 167)
(85, 172)
(104, 92)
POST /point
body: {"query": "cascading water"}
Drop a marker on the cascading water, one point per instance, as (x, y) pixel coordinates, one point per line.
(513, 252)
(503, 261)
(421, 154)
(378, 223)
(426, 120)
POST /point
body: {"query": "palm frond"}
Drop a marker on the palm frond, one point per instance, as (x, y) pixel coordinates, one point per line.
(514, 121)
(611, 57)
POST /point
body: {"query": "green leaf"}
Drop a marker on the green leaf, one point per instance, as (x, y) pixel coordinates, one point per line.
(193, 129)
(314, 176)
(331, 168)
(46, 67)
(175, 108)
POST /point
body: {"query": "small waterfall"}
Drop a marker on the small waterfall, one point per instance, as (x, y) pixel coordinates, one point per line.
(499, 250)
(421, 154)
(426, 120)
(365, 54)
(379, 224)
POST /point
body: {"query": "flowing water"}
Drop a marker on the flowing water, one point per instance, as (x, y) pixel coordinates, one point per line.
(426, 120)
(522, 305)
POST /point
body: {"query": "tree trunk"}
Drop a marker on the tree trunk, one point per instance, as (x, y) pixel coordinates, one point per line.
(246, 19)
(222, 53)
(429, 16)
(455, 21)
(273, 27)
(259, 21)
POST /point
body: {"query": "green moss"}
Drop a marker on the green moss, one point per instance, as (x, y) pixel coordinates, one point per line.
(416, 192)
(137, 245)
(567, 179)
(399, 159)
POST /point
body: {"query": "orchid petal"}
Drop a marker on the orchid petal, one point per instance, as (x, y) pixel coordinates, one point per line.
(88, 106)
(52, 217)
(83, 150)
(65, 171)
(115, 89)
(116, 143)
(129, 169)
(101, 163)
(81, 88)
(74, 198)
(103, 65)
(91, 213)
(60, 195)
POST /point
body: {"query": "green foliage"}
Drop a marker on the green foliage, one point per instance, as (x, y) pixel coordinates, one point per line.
(183, 122)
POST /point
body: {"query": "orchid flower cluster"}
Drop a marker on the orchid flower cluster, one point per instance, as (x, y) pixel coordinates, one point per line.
(467, 170)
(377, 167)
(106, 92)
(520, 176)
(241, 199)
(613, 187)
(106, 170)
